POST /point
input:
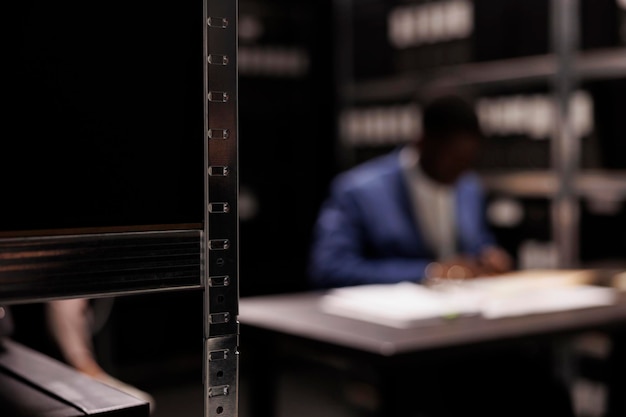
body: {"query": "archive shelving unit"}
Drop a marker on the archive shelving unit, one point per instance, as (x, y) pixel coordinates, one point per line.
(120, 163)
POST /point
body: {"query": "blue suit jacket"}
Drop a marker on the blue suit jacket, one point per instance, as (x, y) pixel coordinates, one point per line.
(366, 232)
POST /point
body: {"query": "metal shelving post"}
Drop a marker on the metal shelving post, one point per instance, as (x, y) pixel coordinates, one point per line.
(565, 146)
(220, 274)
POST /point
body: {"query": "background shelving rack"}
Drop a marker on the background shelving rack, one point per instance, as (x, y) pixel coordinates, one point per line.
(560, 71)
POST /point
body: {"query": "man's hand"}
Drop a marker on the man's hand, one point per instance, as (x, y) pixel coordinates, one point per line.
(459, 267)
(492, 261)
(495, 260)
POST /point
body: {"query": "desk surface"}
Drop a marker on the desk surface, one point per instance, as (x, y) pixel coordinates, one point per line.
(298, 314)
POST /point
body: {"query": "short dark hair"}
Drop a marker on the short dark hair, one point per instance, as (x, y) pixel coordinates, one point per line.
(447, 115)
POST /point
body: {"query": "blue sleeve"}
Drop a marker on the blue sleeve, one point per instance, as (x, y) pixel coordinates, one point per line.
(338, 252)
(476, 234)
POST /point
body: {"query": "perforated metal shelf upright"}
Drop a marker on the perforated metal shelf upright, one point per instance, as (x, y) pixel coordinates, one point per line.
(134, 187)
(221, 228)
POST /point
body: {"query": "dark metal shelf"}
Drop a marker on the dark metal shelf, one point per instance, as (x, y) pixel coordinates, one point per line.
(588, 65)
(48, 267)
(545, 184)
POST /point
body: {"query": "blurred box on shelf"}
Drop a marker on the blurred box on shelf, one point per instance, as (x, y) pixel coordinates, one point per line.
(431, 34)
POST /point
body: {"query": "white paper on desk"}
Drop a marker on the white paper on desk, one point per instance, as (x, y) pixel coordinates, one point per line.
(407, 304)
(546, 300)
(399, 305)
(539, 291)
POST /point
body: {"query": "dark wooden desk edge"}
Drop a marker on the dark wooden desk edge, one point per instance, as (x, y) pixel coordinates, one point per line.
(305, 321)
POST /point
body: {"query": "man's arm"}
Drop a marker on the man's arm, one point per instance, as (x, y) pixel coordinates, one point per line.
(338, 251)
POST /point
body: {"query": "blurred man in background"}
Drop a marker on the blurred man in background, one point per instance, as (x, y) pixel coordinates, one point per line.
(415, 213)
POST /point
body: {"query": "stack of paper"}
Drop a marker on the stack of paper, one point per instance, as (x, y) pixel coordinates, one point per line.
(407, 304)
(398, 305)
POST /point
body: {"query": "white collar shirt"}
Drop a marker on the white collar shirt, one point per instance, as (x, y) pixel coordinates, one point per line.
(433, 205)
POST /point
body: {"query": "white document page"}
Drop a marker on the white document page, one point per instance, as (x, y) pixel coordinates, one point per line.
(408, 304)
